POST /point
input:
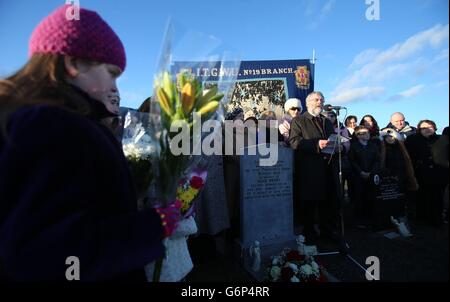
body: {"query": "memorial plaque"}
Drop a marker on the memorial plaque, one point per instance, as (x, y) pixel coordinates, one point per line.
(266, 199)
(389, 200)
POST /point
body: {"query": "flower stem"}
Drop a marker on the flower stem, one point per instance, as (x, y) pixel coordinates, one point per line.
(157, 270)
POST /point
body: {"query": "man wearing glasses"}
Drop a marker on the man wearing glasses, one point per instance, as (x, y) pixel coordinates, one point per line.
(316, 175)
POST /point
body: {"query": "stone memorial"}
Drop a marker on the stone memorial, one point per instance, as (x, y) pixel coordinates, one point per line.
(266, 208)
(389, 200)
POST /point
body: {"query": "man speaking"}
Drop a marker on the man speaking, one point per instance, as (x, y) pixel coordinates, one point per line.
(316, 173)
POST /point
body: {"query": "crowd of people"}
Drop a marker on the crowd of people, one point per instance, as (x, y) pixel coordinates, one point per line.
(66, 188)
(416, 156)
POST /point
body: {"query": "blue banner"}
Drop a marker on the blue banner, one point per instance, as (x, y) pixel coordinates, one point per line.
(260, 85)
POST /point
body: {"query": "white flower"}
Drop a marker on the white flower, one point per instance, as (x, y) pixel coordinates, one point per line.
(315, 267)
(306, 269)
(139, 150)
(276, 260)
(295, 279)
(275, 273)
(293, 266)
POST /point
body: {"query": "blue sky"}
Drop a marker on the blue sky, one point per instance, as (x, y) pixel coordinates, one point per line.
(398, 63)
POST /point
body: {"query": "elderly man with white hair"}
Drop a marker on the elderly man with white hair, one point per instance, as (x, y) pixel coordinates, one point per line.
(398, 123)
(316, 175)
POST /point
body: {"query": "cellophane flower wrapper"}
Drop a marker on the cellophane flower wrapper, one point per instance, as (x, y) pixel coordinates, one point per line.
(189, 188)
(139, 148)
(183, 97)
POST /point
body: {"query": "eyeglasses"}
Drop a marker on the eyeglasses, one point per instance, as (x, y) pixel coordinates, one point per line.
(362, 133)
(424, 128)
(295, 109)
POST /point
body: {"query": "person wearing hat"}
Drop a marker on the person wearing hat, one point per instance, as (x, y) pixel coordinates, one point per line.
(292, 108)
(65, 187)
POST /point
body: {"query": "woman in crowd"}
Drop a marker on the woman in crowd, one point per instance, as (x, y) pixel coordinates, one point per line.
(432, 178)
(65, 188)
(292, 108)
(370, 123)
(351, 123)
(343, 131)
(365, 160)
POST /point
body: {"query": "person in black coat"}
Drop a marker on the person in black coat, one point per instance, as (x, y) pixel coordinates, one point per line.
(371, 123)
(315, 172)
(65, 186)
(432, 178)
(364, 156)
(396, 162)
(398, 123)
(440, 157)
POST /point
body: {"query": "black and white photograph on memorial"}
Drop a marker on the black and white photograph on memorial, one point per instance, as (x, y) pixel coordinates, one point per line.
(224, 148)
(259, 96)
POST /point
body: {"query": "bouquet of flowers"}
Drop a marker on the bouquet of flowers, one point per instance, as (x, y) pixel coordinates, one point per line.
(177, 262)
(291, 266)
(189, 189)
(182, 100)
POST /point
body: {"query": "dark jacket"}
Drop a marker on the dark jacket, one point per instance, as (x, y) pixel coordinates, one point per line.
(406, 131)
(440, 150)
(420, 150)
(65, 190)
(311, 166)
(364, 158)
(394, 161)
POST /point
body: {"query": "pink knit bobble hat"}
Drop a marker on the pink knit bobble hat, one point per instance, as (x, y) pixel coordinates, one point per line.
(89, 38)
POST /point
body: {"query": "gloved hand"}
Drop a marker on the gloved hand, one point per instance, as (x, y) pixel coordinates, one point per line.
(170, 217)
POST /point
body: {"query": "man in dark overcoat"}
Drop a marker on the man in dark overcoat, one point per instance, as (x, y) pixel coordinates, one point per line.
(316, 174)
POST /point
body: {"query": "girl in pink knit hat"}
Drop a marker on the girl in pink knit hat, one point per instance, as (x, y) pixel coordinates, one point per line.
(65, 188)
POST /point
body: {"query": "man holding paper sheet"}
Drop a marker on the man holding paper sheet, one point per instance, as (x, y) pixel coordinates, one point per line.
(316, 170)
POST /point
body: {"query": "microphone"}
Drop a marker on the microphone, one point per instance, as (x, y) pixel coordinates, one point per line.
(328, 107)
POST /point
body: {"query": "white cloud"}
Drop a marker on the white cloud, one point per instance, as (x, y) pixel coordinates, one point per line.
(374, 67)
(357, 94)
(441, 83)
(443, 55)
(328, 7)
(412, 91)
(316, 14)
(364, 57)
(309, 7)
